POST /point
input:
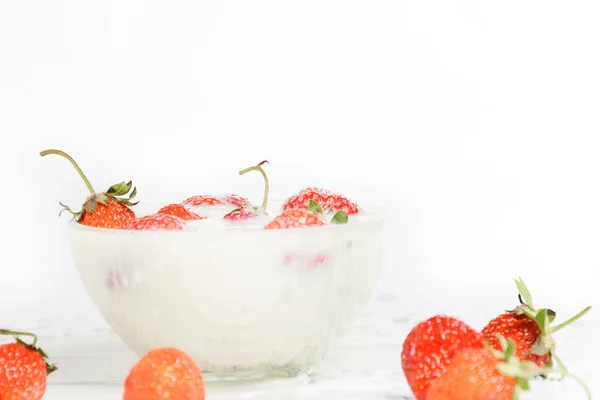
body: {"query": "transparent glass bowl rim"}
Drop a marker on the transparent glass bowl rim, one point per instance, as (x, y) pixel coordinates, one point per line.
(373, 214)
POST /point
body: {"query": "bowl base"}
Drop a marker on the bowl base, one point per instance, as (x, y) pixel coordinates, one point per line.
(283, 372)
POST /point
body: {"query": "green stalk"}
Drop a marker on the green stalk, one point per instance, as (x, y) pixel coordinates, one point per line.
(17, 333)
(570, 320)
(68, 157)
(258, 168)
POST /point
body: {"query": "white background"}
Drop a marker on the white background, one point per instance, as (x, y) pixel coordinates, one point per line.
(475, 124)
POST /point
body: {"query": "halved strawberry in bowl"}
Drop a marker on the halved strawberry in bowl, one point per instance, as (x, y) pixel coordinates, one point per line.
(210, 200)
(239, 214)
(181, 211)
(327, 199)
(157, 221)
(311, 217)
(296, 218)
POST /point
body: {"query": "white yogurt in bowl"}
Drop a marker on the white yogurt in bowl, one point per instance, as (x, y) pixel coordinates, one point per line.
(241, 300)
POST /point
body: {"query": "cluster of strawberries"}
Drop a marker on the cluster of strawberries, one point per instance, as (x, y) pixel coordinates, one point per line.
(443, 358)
(112, 209)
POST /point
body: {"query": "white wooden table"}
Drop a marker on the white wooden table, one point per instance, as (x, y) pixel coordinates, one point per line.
(93, 362)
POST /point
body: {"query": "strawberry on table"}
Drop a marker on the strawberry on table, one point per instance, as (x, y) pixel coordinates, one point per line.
(528, 328)
(165, 373)
(429, 348)
(329, 200)
(23, 368)
(482, 373)
(103, 210)
(154, 222)
(181, 211)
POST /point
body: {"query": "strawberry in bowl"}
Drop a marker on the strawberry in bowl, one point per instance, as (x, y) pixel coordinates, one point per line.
(181, 211)
(327, 199)
(267, 293)
(204, 200)
(105, 209)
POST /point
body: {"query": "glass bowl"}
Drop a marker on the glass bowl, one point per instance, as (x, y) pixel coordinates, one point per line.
(241, 300)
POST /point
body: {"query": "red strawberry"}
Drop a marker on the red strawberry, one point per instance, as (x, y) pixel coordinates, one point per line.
(206, 200)
(240, 214)
(299, 217)
(296, 218)
(23, 369)
(114, 281)
(202, 200)
(103, 210)
(165, 373)
(429, 348)
(302, 260)
(480, 374)
(236, 200)
(329, 200)
(179, 210)
(244, 211)
(157, 222)
(528, 328)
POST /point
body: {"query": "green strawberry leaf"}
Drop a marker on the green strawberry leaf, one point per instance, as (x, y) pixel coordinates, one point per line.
(119, 189)
(133, 193)
(511, 349)
(541, 317)
(340, 217)
(523, 383)
(76, 215)
(503, 342)
(523, 291)
(315, 207)
(508, 369)
(50, 368)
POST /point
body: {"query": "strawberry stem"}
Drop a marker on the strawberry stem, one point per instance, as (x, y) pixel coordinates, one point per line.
(565, 373)
(18, 333)
(583, 385)
(561, 366)
(570, 320)
(258, 167)
(68, 157)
